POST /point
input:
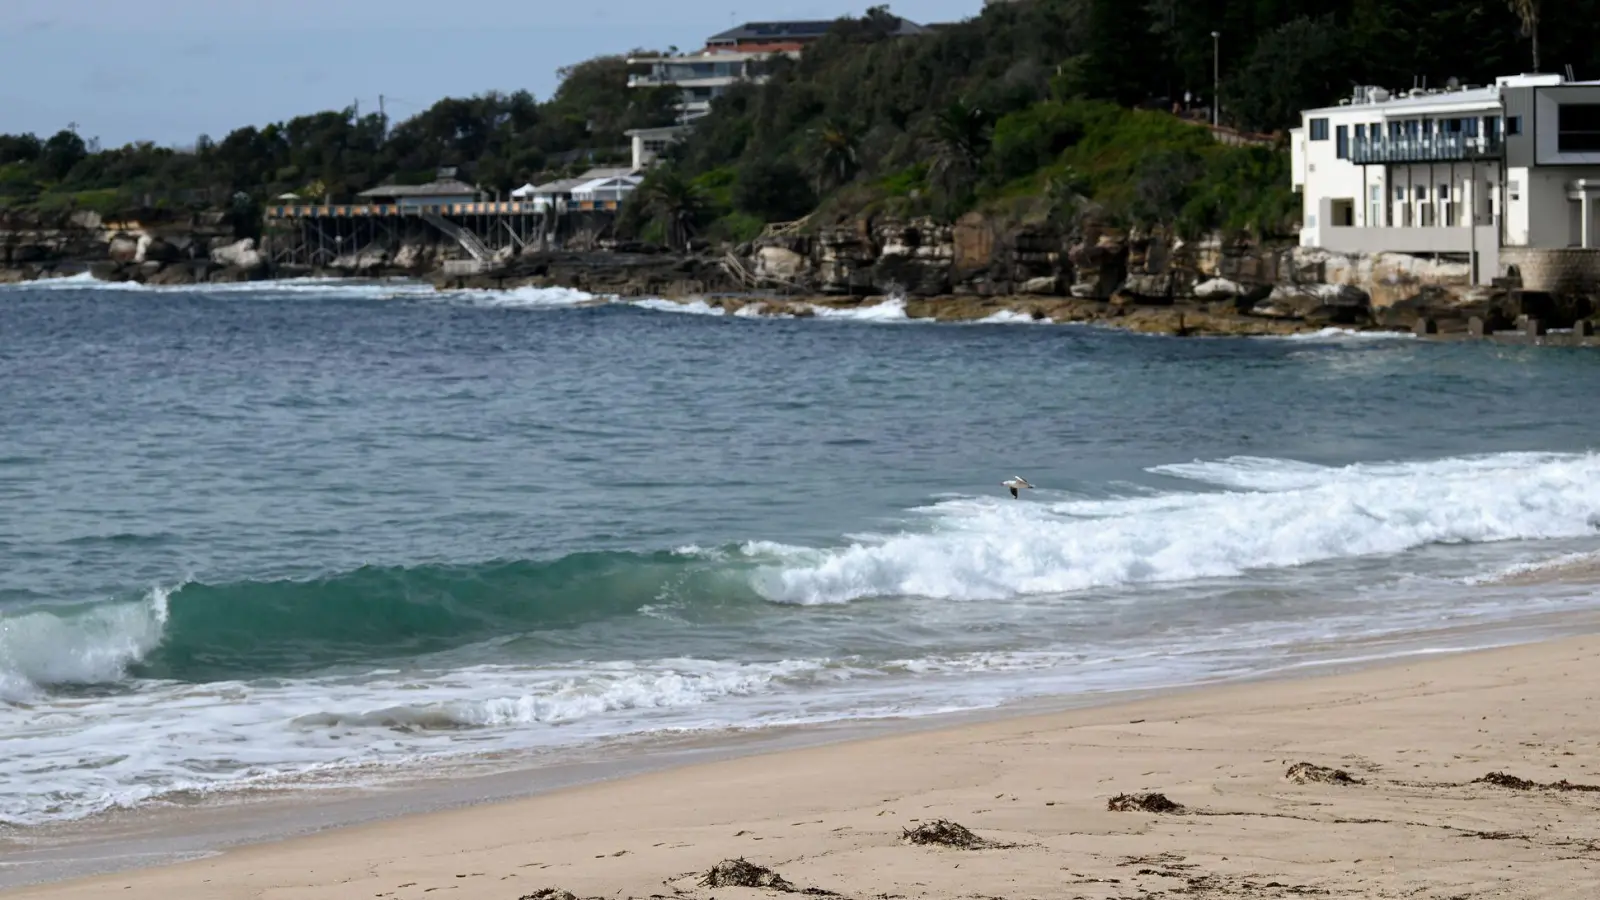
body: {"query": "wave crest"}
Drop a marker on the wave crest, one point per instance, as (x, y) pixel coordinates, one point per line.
(1279, 514)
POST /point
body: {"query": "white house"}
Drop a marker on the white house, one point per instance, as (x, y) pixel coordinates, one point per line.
(606, 191)
(650, 143)
(602, 188)
(703, 77)
(1463, 171)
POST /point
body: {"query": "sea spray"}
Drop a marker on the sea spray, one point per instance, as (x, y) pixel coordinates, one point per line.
(1300, 514)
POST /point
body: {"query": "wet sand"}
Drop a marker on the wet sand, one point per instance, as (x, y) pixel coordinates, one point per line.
(1411, 816)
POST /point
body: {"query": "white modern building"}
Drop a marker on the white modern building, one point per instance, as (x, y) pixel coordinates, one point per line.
(596, 189)
(1461, 171)
(703, 77)
(650, 143)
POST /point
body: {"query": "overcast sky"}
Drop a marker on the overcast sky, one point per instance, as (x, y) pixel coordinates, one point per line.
(169, 70)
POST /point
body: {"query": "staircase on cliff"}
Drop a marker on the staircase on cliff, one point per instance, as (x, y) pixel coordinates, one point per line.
(462, 236)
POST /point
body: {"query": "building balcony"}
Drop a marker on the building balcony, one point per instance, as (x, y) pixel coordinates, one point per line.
(1433, 148)
(690, 81)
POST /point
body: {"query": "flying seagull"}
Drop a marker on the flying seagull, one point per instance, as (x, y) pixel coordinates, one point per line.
(1017, 481)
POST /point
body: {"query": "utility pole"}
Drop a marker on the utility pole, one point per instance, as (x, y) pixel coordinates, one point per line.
(1216, 77)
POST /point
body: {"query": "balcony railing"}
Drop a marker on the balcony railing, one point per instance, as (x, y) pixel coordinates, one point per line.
(1433, 148)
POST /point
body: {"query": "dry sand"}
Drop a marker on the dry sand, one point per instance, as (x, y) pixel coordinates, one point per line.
(1416, 736)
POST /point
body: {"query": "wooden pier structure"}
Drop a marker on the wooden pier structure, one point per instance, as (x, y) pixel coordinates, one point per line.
(316, 235)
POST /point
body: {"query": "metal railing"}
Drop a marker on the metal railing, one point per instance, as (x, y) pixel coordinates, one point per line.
(1432, 148)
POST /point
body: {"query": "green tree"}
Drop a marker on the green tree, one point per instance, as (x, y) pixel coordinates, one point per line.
(837, 158)
(674, 202)
(1302, 64)
(1527, 12)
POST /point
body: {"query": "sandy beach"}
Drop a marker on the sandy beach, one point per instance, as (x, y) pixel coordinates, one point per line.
(1399, 808)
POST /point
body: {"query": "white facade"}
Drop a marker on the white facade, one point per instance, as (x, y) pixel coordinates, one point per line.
(650, 143)
(1456, 171)
(702, 77)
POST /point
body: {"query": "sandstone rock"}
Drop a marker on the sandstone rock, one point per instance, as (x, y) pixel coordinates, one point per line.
(241, 255)
(1320, 301)
(1047, 284)
(123, 249)
(1218, 289)
(1149, 288)
(411, 256)
(780, 263)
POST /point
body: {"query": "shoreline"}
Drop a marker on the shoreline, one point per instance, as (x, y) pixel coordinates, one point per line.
(760, 753)
(1175, 318)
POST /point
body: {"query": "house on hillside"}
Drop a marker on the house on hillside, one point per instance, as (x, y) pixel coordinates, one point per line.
(734, 56)
(441, 192)
(786, 37)
(596, 189)
(650, 143)
(1506, 176)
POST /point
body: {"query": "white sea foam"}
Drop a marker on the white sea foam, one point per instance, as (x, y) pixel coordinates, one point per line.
(687, 307)
(1334, 334)
(891, 310)
(1011, 317)
(92, 645)
(71, 753)
(524, 297)
(1286, 517)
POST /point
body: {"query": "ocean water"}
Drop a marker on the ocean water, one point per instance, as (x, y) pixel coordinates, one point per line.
(317, 532)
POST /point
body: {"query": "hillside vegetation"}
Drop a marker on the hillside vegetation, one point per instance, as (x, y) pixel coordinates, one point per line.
(1042, 109)
(1063, 107)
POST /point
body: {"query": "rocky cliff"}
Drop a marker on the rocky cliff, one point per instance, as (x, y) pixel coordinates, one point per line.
(160, 248)
(1108, 273)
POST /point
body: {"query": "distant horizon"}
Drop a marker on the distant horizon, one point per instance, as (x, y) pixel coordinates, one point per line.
(122, 76)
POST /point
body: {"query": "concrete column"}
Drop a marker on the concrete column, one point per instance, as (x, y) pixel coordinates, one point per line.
(1583, 214)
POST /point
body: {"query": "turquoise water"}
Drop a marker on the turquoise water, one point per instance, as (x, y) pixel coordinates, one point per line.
(257, 534)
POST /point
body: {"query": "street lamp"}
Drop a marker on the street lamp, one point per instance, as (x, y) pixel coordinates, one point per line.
(1216, 76)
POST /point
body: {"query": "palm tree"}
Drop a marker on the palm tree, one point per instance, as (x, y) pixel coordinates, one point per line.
(674, 200)
(1527, 12)
(837, 158)
(963, 134)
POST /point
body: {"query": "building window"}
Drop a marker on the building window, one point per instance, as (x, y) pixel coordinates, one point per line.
(1513, 125)
(1578, 128)
(1515, 189)
(1361, 132)
(1319, 129)
(1399, 194)
(1342, 142)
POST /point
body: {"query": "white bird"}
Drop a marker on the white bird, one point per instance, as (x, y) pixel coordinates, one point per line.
(1017, 481)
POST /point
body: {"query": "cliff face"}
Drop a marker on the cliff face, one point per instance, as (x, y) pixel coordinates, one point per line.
(39, 245)
(979, 257)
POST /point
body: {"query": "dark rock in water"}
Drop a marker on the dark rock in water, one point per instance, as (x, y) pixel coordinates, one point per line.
(1306, 773)
(1150, 803)
(161, 251)
(108, 271)
(23, 254)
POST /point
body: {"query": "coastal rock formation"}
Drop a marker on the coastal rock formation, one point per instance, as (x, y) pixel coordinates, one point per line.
(1138, 271)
